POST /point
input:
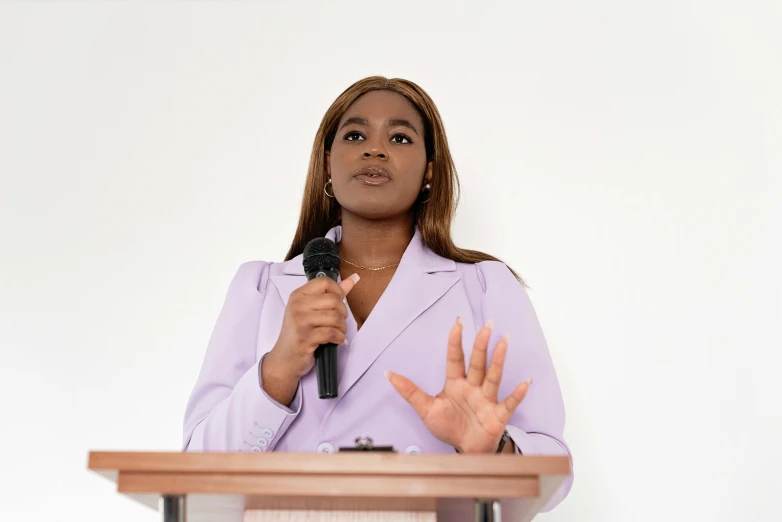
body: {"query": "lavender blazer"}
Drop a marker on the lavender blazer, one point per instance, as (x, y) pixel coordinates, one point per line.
(406, 332)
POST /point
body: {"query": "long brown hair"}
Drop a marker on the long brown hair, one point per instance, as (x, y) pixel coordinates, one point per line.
(433, 218)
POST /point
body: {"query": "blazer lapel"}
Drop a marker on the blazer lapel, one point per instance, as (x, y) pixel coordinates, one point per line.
(421, 278)
(292, 277)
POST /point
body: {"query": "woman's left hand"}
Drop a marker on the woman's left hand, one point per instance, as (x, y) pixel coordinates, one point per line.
(466, 414)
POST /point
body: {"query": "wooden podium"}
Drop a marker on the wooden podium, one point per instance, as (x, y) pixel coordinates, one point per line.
(343, 486)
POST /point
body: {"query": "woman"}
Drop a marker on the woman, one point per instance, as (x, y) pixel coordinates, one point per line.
(383, 186)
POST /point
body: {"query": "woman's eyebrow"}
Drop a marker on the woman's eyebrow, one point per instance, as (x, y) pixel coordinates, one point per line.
(390, 123)
(402, 123)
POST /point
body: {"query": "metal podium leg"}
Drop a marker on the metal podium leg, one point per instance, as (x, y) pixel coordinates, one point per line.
(172, 508)
(488, 511)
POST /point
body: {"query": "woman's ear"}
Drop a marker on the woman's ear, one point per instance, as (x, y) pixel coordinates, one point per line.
(328, 162)
(428, 172)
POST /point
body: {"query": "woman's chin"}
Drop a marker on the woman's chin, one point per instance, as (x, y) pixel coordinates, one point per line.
(371, 209)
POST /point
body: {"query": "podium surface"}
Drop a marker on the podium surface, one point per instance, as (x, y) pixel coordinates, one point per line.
(345, 486)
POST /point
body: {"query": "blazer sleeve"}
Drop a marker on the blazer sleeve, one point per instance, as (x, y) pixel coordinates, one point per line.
(537, 426)
(228, 409)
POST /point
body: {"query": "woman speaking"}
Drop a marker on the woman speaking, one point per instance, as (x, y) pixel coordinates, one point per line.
(439, 348)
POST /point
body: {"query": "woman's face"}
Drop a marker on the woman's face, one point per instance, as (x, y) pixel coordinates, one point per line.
(377, 162)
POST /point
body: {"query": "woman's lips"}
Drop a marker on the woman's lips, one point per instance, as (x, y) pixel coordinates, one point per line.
(373, 175)
(373, 179)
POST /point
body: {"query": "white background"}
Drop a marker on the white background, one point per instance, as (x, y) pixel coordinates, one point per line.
(622, 156)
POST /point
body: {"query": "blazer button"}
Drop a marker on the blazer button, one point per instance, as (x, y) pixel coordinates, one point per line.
(256, 449)
(263, 443)
(266, 432)
(325, 447)
(413, 450)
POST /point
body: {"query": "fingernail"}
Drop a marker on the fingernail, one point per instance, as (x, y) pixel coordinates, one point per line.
(387, 374)
(355, 277)
(529, 381)
(490, 324)
(345, 341)
(458, 319)
(506, 338)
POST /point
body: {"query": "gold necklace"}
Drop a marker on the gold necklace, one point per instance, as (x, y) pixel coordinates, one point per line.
(366, 268)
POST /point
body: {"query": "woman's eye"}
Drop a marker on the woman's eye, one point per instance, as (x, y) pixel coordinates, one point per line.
(401, 138)
(353, 136)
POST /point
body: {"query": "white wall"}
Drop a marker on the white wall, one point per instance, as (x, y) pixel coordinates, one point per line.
(623, 156)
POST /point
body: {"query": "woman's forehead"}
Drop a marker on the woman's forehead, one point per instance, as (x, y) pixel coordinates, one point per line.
(383, 105)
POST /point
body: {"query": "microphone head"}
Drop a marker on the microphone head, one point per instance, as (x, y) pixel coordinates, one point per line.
(320, 255)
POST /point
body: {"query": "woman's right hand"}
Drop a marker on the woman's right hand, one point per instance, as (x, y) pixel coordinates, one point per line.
(315, 314)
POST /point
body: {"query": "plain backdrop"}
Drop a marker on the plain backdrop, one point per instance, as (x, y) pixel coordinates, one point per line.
(624, 157)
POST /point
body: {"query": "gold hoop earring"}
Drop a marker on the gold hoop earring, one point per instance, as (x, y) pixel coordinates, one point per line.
(325, 188)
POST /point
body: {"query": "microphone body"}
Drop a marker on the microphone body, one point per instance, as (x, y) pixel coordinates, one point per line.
(321, 259)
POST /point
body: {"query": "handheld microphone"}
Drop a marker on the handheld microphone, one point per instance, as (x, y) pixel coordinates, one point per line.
(321, 259)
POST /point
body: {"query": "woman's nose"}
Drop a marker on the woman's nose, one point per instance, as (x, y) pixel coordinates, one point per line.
(374, 148)
(375, 152)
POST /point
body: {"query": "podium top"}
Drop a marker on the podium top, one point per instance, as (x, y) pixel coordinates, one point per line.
(355, 474)
(223, 486)
(356, 463)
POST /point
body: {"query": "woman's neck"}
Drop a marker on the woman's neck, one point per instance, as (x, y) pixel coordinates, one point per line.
(374, 243)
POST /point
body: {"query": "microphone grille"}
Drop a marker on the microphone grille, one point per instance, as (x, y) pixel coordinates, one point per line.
(320, 253)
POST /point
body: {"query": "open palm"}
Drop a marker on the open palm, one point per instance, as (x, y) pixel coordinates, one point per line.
(466, 414)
